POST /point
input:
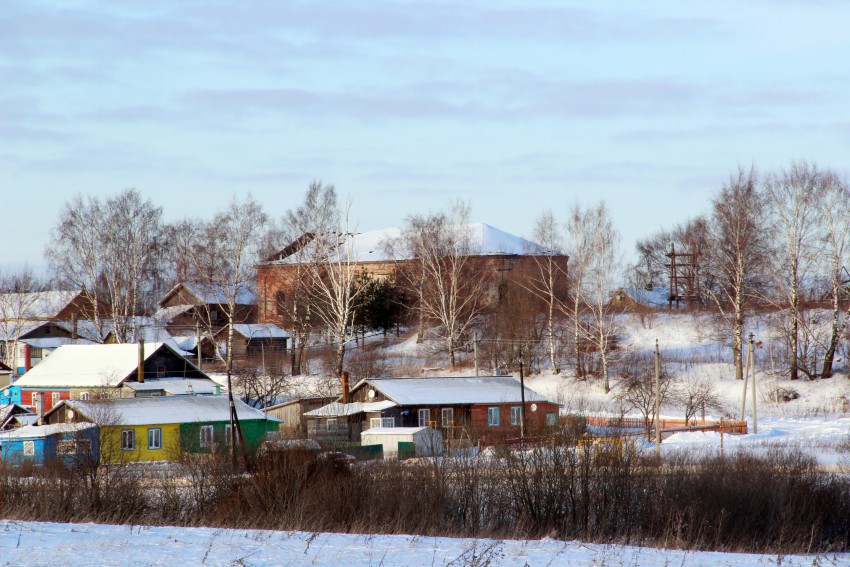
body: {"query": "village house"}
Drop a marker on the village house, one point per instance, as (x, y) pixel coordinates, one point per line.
(293, 423)
(81, 372)
(160, 429)
(472, 407)
(502, 256)
(13, 416)
(71, 443)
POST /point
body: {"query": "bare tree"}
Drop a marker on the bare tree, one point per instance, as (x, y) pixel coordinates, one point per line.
(109, 249)
(792, 199)
(235, 234)
(548, 277)
(696, 393)
(637, 371)
(448, 285)
(734, 254)
(18, 299)
(834, 211)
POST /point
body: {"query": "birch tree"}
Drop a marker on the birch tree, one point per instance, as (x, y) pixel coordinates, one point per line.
(109, 249)
(448, 285)
(734, 253)
(18, 299)
(792, 199)
(548, 277)
(834, 212)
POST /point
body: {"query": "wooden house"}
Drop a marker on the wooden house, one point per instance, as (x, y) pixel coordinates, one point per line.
(487, 406)
(189, 305)
(13, 416)
(159, 429)
(70, 443)
(293, 423)
(104, 370)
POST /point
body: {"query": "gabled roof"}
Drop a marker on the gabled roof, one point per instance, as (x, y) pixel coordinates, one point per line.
(461, 390)
(36, 305)
(161, 410)
(370, 246)
(8, 411)
(259, 331)
(91, 366)
(212, 294)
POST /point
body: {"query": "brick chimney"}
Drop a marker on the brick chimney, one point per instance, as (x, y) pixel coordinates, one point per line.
(344, 378)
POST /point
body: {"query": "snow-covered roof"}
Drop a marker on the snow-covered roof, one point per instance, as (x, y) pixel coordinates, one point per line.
(35, 305)
(37, 431)
(393, 430)
(485, 240)
(260, 331)
(213, 294)
(338, 409)
(54, 342)
(175, 386)
(167, 314)
(655, 297)
(6, 411)
(453, 390)
(167, 409)
(89, 366)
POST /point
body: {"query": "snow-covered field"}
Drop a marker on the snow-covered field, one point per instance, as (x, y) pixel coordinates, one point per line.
(43, 544)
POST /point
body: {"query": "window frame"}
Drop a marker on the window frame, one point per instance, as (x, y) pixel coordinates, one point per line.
(424, 417)
(450, 412)
(516, 416)
(494, 416)
(29, 448)
(206, 440)
(388, 422)
(551, 419)
(128, 435)
(154, 438)
(55, 398)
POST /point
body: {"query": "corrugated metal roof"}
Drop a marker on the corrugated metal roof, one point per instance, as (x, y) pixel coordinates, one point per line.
(337, 409)
(453, 390)
(36, 431)
(169, 409)
(175, 386)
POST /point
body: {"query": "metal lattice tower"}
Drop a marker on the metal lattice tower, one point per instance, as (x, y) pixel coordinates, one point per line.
(684, 277)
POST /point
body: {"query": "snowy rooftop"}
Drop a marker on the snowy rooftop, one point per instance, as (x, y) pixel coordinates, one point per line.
(337, 409)
(169, 409)
(485, 240)
(175, 386)
(89, 366)
(213, 294)
(35, 305)
(393, 430)
(655, 297)
(453, 390)
(260, 331)
(35, 431)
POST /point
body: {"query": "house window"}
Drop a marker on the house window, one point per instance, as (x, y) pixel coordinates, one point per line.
(424, 417)
(54, 399)
(128, 439)
(227, 434)
(160, 371)
(374, 422)
(35, 399)
(84, 396)
(155, 438)
(332, 424)
(280, 302)
(29, 448)
(493, 416)
(206, 435)
(551, 419)
(516, 415)
(387, 422)
(448, 415)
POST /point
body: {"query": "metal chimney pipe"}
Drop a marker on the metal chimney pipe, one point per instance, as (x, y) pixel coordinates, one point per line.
(344, 378)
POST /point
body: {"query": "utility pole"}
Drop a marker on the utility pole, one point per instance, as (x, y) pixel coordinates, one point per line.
(522, 395)
(746, 379)
(752, 364)
(475, 350)
(657, 403)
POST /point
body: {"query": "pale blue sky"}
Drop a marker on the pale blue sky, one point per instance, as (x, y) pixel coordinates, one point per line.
(515, 106)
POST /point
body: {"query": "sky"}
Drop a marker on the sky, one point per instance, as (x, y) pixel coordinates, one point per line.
(516, 107)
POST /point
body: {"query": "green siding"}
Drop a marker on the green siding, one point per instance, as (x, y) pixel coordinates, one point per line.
(254, 431)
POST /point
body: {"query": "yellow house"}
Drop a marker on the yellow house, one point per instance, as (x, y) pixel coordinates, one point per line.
(161, 428)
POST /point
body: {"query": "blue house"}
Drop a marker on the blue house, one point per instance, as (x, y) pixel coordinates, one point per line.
(10, 395)
(71, 443)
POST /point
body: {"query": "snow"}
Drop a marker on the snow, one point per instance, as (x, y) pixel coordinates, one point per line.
(88, 366)
(36, 305)
(453, 390)
(394, 430)
(337, 409)
(165, 409)
(44, 544)
(213, 294)
(175, 386)
(36, 431)
(260, 331)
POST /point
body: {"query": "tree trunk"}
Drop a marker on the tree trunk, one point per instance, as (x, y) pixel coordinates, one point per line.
(795, 327)
(829, 356)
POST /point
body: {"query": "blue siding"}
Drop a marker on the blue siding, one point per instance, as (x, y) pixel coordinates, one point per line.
(44, 448)
(11, 395)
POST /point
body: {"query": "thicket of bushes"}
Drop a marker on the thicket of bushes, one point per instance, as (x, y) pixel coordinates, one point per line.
(774, 502)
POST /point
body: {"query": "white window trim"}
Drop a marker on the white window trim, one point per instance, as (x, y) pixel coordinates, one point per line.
(131, 435)
(450, 412)
(206, 440)
(424, 417)
(516, 415)
(154, 438)
(55, 398)
(387, 422)
(29, 448)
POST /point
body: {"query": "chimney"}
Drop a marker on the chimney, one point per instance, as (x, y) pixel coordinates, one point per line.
(39, 407)
(344, 378)
(27, 359)
(140, 374)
